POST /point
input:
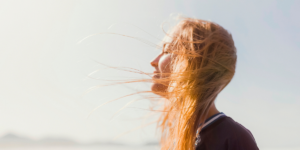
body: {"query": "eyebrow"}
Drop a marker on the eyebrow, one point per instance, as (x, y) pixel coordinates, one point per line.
(163, 47)
(165, 44)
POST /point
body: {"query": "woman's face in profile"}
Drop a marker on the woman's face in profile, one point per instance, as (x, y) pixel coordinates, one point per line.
(161, 65)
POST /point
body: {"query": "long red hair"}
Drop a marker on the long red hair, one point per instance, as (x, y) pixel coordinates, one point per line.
(203, 60)
(203, 63)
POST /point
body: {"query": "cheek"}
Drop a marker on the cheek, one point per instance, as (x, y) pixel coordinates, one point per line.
(164, 63)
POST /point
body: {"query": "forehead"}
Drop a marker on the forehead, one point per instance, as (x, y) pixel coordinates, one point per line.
(167, 39)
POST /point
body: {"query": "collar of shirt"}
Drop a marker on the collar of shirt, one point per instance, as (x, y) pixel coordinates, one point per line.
(212, 119)
(207, 122)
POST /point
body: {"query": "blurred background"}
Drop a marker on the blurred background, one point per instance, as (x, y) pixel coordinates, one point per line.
(49, 60)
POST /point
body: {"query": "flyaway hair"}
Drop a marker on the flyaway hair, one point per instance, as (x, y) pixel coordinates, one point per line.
(203, 60)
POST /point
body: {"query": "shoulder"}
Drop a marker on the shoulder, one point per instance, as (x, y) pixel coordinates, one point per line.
(237, 136)
(234, 128)
(226, 133)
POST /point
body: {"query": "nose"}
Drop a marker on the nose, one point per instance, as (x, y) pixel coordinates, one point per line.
(154, 62)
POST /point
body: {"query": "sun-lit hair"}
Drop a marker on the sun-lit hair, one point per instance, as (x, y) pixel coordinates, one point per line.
(203, 59)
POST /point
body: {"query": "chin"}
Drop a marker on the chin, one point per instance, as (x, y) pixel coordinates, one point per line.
(156, 88)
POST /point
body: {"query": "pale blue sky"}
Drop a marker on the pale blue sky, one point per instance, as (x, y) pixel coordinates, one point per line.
(44, 69)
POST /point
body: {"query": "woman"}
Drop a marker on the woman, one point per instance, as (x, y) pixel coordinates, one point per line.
(197, 61)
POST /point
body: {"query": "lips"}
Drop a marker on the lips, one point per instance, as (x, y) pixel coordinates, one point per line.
(156, 74)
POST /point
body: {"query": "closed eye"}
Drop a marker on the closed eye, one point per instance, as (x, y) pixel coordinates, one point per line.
(164, 50)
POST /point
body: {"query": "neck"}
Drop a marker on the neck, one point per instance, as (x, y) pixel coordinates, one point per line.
(212, 111)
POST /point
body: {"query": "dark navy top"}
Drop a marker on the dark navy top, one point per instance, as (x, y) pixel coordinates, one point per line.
(220, 132)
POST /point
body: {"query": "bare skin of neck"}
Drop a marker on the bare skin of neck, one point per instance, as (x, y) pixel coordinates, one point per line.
(212, 111)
